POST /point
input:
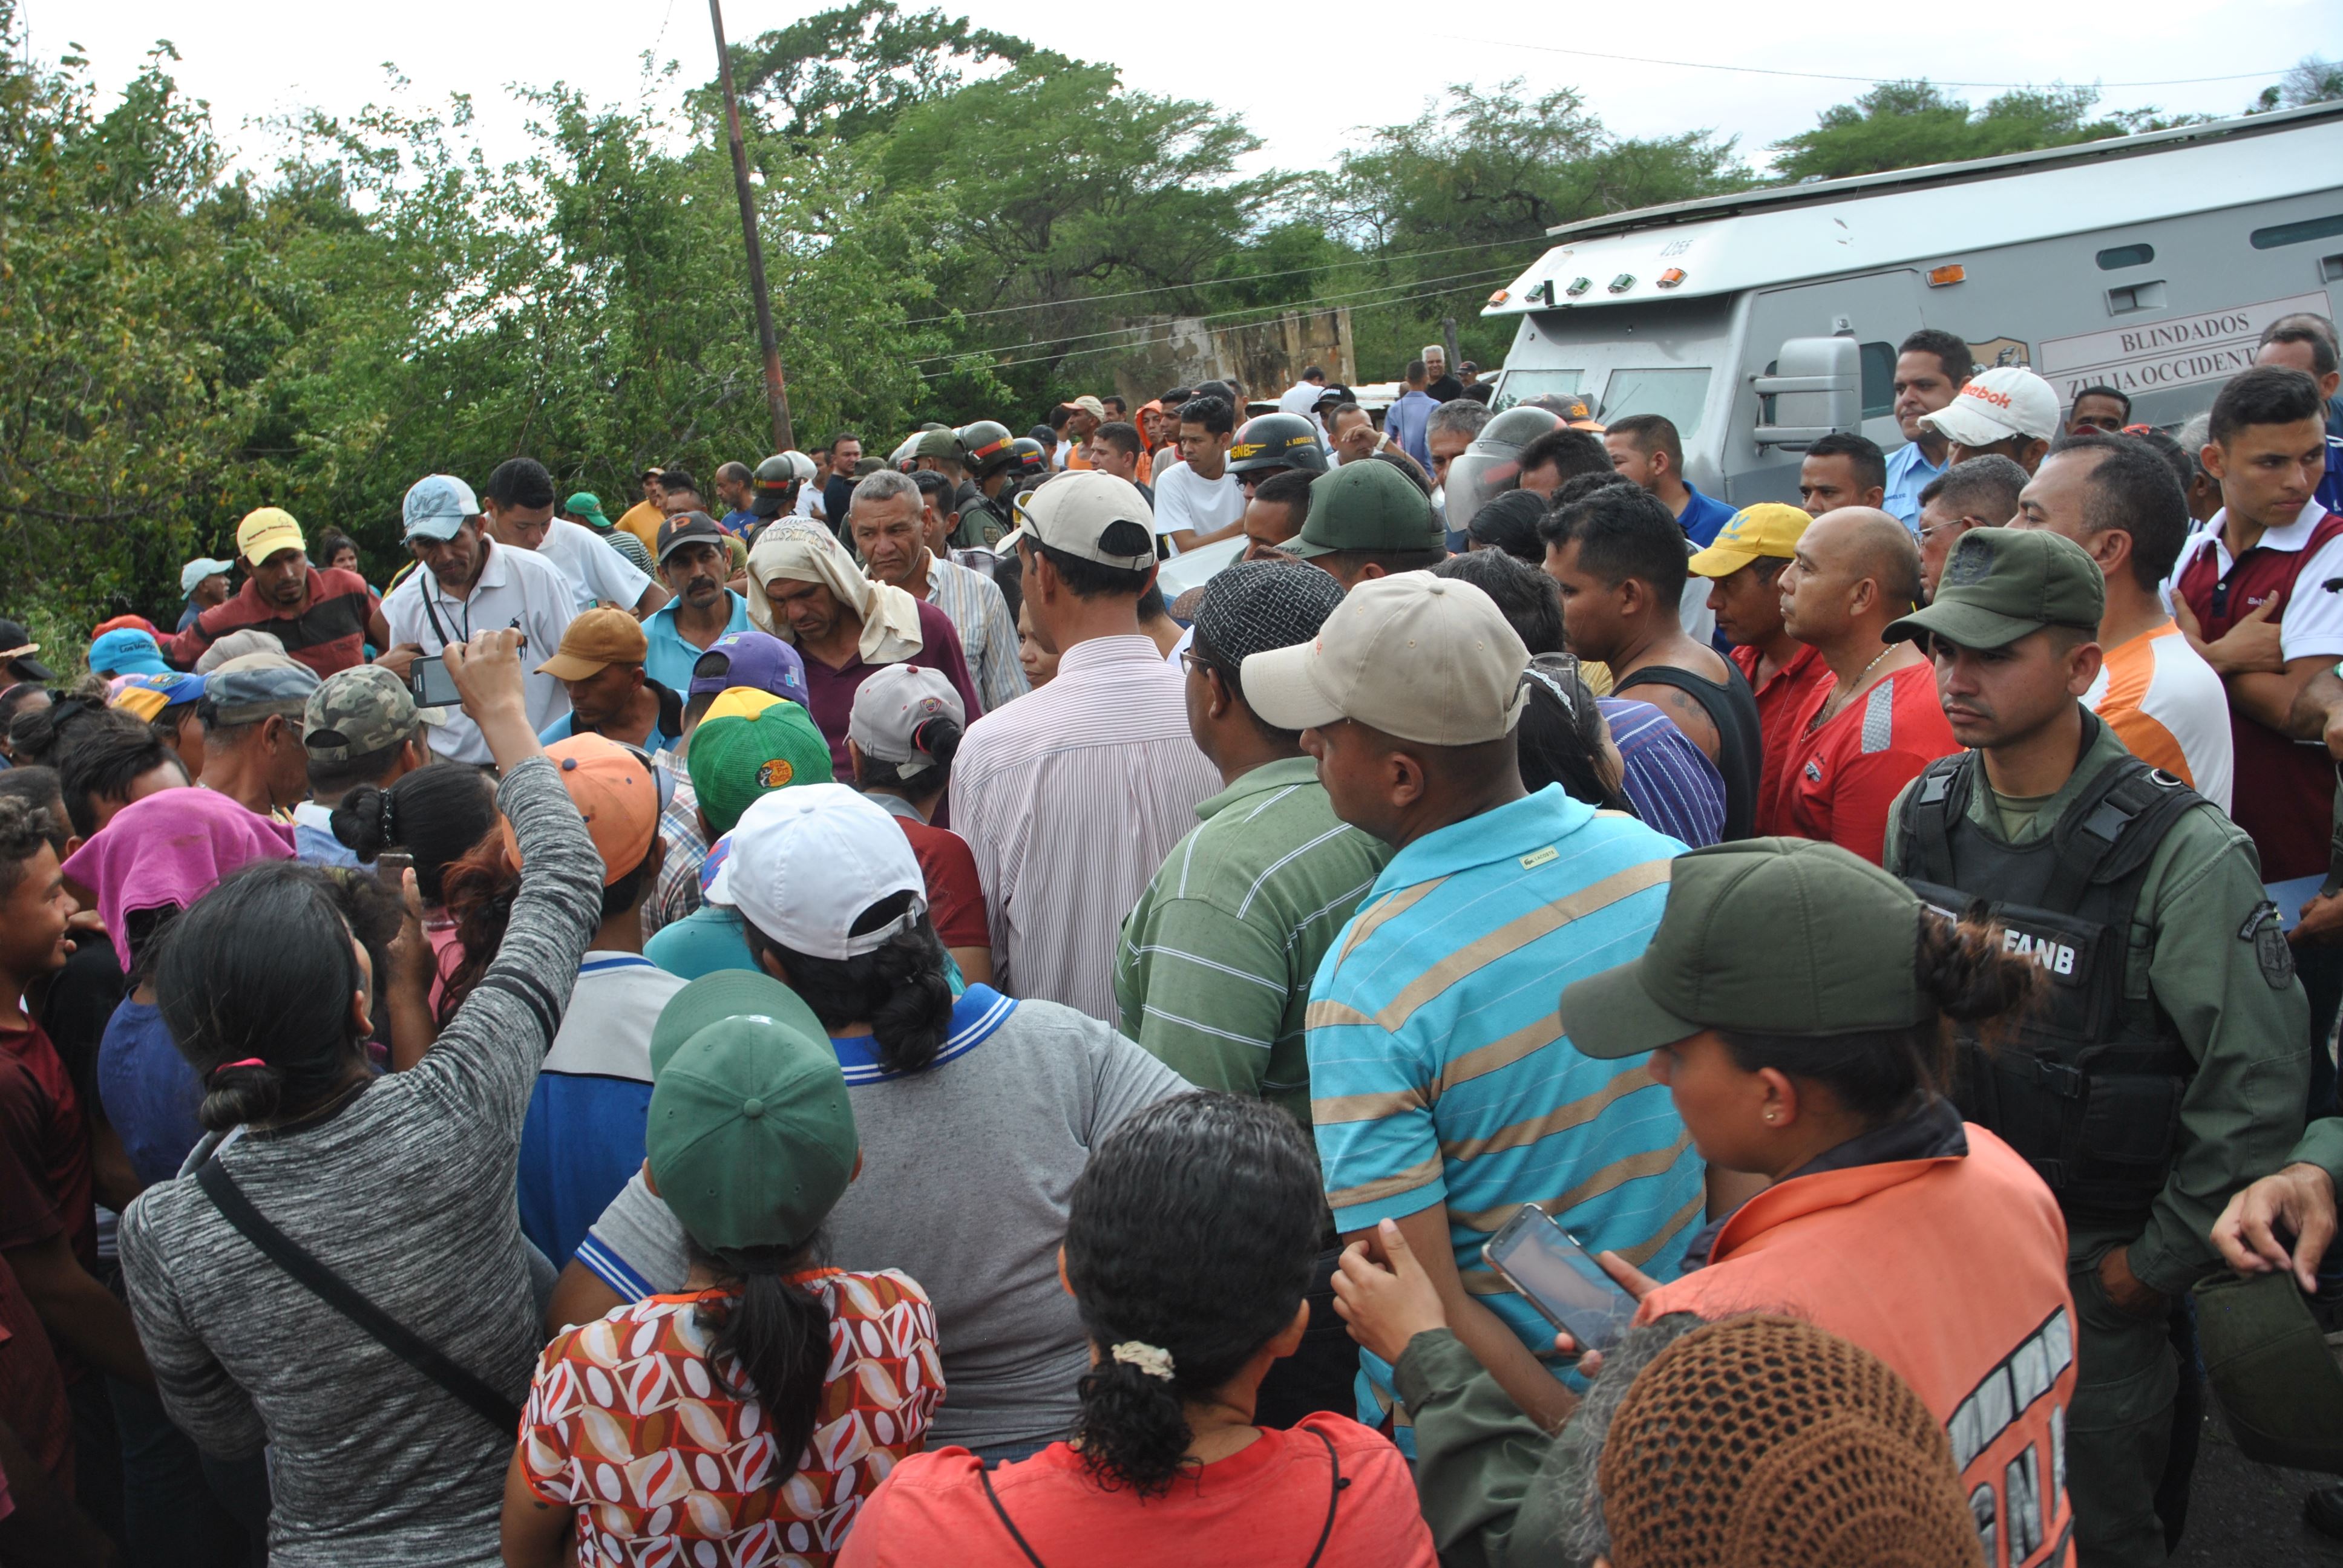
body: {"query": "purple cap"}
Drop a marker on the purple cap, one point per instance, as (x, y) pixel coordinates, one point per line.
(752, 659)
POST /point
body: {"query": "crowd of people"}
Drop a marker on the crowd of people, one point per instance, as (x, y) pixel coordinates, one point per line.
(826, 1020)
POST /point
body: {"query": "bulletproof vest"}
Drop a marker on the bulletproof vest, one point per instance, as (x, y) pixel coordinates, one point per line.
(983, 521)
(2086, 1083)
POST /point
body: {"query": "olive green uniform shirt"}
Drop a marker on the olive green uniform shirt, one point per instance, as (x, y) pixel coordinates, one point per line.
(1213, 975)
(2193, 949)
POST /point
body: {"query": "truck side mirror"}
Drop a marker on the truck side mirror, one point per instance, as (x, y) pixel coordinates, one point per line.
(1818, 390)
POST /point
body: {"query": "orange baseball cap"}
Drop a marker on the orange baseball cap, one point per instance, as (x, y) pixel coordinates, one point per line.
(594, 641)
(617, 793)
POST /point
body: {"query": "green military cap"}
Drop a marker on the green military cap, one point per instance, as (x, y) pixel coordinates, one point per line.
(2000, 584)
(361, 710)
(1767, 936)
(1366, 506)
(938, 442)
(750, 1137)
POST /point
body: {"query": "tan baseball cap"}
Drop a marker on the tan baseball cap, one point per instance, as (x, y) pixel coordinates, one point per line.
(1428, 659)
(594, 641)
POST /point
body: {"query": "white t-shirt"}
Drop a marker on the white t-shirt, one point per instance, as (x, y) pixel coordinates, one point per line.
(594, 569)
(517, 589)
(1203, 506)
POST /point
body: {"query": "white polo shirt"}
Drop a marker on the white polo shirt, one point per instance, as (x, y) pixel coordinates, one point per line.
(595, 570)
(517, 589)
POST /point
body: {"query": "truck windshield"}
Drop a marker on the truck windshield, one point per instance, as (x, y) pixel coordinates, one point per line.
(1678, 394)
(1520, 386)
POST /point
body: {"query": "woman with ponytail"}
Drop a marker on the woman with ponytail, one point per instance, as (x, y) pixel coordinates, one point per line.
(977, 1113)
(1801, 1005)
(398, 1186)
(796, 1388)
(435, 815)
(1190, 1244)
(900, 739)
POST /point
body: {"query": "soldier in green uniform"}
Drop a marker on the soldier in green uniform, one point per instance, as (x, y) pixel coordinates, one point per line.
(989, 462)
(2164, 1066)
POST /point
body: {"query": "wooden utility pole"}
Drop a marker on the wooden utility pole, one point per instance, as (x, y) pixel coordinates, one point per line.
(1447, 332)
(777, 392)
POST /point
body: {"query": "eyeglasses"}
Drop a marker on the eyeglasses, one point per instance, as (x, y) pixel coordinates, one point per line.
(1191, 660)
(1961, 523)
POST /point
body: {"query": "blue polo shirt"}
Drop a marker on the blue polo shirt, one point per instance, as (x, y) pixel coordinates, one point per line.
(667, 727)
(1909, 472)
(1438, 1073)
(739, 523)
(670, 658)
(1704, 516)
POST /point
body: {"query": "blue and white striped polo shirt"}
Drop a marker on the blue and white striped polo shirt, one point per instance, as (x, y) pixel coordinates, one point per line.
(1439, 1072)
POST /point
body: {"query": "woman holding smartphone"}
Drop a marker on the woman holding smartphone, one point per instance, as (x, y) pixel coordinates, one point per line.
(1796, 1002)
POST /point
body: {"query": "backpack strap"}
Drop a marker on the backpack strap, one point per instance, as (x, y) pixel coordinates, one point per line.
(985, 1475)
(2113, 828)
(1339, 1485)
(336, 1293)
(1938, 798)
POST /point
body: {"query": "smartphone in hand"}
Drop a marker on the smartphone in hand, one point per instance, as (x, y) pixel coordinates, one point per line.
(1560, 1278)
(432, 686)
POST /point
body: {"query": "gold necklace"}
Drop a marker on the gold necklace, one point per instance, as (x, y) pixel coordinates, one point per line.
(1837, 702)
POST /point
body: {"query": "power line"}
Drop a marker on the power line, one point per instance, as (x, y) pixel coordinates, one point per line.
(1167, 337)
(1212, 282)
(1833, 75)
(1271, 310)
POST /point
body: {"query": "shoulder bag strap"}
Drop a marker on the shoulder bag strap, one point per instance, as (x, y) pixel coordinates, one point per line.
(1333, 1496)
(330, 1288)
(985, 1474)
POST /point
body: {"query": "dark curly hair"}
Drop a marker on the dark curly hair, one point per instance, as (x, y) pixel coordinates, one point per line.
(1192, 1231)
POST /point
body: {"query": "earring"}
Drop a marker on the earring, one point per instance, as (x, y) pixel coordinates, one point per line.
(1770, 1115)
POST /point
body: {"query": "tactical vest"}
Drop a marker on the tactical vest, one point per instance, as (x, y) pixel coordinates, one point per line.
(2084, 1083)
(984, 522)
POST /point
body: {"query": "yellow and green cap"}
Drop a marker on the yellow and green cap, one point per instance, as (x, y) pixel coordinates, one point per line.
(1769, 528)
(749, 744)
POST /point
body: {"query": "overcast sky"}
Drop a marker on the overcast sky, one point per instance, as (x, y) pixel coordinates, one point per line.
(1304, 77)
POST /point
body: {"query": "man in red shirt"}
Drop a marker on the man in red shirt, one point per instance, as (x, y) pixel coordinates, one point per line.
(1743, 566)
(324, 618)
(1866, 731)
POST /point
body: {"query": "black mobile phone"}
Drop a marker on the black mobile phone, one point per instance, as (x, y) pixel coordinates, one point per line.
(1558, 1277)
(433, 686)
(390, 867)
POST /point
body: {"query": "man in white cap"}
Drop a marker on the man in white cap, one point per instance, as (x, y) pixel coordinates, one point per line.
(1071, 795)
(1084, 415)
(203, 583)
(1443, 1093)
(2008, 409)
(469, 583)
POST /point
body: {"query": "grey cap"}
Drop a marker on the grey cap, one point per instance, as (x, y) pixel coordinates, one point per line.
(436, 505)
(248, 690)
(238, 644)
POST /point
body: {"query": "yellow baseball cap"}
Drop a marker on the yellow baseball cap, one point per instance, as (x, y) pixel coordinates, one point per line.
(266, 531)
(1768, 529)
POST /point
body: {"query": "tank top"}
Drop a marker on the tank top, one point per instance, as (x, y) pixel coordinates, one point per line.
(1732, 707)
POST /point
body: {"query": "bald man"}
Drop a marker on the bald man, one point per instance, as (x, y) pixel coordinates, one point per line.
(1867, 731)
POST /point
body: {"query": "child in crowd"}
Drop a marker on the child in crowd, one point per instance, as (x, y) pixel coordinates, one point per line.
(752, 1413)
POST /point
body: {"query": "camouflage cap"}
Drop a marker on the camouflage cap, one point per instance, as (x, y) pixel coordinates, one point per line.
(359, 711)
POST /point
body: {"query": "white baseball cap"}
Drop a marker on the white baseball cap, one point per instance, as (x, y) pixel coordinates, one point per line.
(1072, 513)
(2005, 401)
(806, 862)
(1428, 659)
(891, 706)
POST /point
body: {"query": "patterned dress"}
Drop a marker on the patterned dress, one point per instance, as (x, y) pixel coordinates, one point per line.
(627, 1425)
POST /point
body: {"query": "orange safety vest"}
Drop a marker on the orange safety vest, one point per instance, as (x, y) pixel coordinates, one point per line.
(1953, 1271)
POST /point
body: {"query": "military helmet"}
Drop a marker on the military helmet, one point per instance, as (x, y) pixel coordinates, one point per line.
(1491, 464)
(1277, 441)
(776, 484)
(906, 455)
(1033, 462)
(987, 446)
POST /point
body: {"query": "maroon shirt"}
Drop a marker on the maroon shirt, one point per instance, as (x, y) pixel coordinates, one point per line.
(45, 1173)
(2290, 808)
(330, 634)
(830, 693)
(32, 1387)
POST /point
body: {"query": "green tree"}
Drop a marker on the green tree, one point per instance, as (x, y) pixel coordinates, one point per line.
(1457, 200)
(1903, 124)
(2313, 79)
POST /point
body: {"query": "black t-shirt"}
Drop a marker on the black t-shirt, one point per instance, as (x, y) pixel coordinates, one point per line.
(81, 998)
(837, 494)
(1447, 390)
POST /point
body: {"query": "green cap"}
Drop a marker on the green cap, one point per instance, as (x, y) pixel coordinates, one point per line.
(749, 1138)
(587, 507)
(1771, 936)
(1367, 506)
(937, 443)
(1999, 584)
(736, 758)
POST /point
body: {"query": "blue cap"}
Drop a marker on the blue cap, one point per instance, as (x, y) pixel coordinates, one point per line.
(752, 659)
(128, 651)
(436, 505)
